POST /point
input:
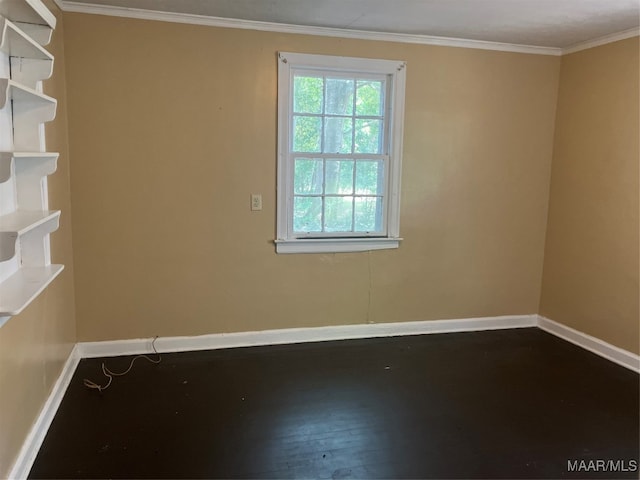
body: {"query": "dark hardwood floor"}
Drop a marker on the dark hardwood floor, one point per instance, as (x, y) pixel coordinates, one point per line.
(499, 404)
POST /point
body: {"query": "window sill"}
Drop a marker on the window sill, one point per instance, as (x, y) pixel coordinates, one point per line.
(335, 245)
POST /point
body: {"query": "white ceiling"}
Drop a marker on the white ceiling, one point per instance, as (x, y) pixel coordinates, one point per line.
(547, 23)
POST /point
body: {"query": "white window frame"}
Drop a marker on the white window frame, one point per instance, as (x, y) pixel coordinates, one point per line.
(395, 73)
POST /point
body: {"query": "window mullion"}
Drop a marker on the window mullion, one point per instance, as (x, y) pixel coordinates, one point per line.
(324, 191)
(353, 116)
(340, 156)
(353, 213)
(353, 202)
(324, 110)
(353, 150)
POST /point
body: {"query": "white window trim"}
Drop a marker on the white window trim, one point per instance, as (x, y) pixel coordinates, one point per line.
(397, 71)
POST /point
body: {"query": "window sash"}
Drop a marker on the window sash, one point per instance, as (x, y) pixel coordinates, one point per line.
(291, 195)
(385, 79)
(382, 154)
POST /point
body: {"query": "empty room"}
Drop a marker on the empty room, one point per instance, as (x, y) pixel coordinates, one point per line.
(319, 239)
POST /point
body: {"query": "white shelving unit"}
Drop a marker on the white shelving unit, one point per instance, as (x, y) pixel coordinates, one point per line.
(29, 61)
(25, 285)
(29, 110)
(28, 11)
(17, 227)
(25, 219)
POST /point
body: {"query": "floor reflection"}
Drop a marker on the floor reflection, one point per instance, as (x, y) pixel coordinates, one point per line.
(329, 433)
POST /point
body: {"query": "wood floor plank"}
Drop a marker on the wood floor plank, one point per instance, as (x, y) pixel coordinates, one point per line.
(500, 404)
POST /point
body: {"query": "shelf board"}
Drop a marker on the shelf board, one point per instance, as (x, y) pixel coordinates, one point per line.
(34, 155)
(30, 108)
(27, 11)
(40, 33)
(30, 155)
(21, 288)
(12, 90)
(21, 222)
(15, 43)
(46, 159)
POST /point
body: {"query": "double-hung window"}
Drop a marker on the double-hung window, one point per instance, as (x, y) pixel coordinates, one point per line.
(339, 153)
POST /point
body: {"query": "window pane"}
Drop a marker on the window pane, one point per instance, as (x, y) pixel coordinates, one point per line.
(369, 98)
(339, 96)
(306, 133)
(307, 176)
(370, 177)
(307, 94)
(339, 177)
(338, 213)
(368, 136)
(368, 214)
(338, 135)
(307, 214)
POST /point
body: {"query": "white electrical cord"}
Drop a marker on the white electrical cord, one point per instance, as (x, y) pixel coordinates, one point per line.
(109, 374)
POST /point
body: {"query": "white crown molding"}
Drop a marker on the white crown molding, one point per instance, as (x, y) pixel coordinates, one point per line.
(596, 42)
(593, 344)
(302, 335)
(32, 443)
(79, 7)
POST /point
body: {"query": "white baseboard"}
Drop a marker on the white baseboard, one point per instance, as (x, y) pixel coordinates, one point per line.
(593, 344)
(34, 439)
(301, 335)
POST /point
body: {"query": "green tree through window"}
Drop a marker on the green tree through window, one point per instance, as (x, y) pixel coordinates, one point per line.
(340, 117)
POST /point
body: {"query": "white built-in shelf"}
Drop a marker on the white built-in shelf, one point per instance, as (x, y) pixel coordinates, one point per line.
(19, 223)
(15, 43)
(19, 290)
(29, 108)
(27, 11)
(30, 62)
(36, 163)
(25, 96)
(25, 220)
(40, 33)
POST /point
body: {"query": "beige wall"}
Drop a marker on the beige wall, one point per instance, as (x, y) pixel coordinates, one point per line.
(591, 261)
(35, 344)
(173, 126)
